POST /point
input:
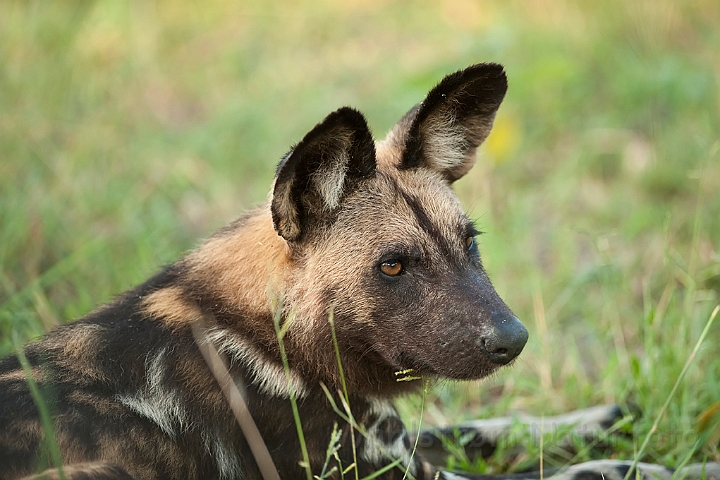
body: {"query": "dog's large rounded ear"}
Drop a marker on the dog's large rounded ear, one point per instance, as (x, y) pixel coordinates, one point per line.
(443, 132)
(313, 177)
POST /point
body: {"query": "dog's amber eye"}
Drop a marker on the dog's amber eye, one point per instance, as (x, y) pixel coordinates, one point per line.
(469, 242)
(391, 268)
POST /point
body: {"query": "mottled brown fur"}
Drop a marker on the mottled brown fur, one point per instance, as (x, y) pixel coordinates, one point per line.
(84, 471)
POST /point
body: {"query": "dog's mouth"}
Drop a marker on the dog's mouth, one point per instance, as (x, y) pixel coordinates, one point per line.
(411, 368)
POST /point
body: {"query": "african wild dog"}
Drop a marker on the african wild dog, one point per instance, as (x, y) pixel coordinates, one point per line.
(367, 233)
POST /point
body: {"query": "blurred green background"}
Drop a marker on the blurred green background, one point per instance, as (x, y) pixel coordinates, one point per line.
(129, 130)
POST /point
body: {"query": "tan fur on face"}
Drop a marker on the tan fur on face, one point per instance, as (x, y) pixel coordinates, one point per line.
(371, 221)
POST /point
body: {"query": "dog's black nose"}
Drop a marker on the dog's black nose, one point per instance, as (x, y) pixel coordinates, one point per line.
(506, 339)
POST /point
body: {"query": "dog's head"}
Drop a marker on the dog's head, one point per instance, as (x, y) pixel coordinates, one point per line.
(380, 238)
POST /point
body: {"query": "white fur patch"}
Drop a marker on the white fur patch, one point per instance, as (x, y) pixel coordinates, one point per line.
(329, 181)
(156, 402)
(268, 376)
(378, 453)
(227, 460)
(451, 476)
(445, 144)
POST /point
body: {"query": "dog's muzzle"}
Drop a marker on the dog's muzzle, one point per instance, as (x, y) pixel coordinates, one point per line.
(505, 340)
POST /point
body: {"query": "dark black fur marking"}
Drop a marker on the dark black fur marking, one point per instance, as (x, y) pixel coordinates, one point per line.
(588, 475)
(428, 225)
(390, 429)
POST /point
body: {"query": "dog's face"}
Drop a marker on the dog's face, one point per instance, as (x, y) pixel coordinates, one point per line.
(384, 242)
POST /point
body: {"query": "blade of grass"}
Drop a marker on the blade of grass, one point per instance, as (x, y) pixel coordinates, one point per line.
(237, 404)
(419, 427)
(665, 406)
(280, 333)
(331, 452)
(331, 320)
(542, 449)
(384, 469)
(686, 460)
(348, 417)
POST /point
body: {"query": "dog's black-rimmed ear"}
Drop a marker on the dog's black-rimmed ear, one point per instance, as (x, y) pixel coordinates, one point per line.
(443, 132)
(326, 164)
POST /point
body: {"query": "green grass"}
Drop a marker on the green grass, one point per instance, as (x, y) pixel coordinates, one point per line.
(130, 130)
